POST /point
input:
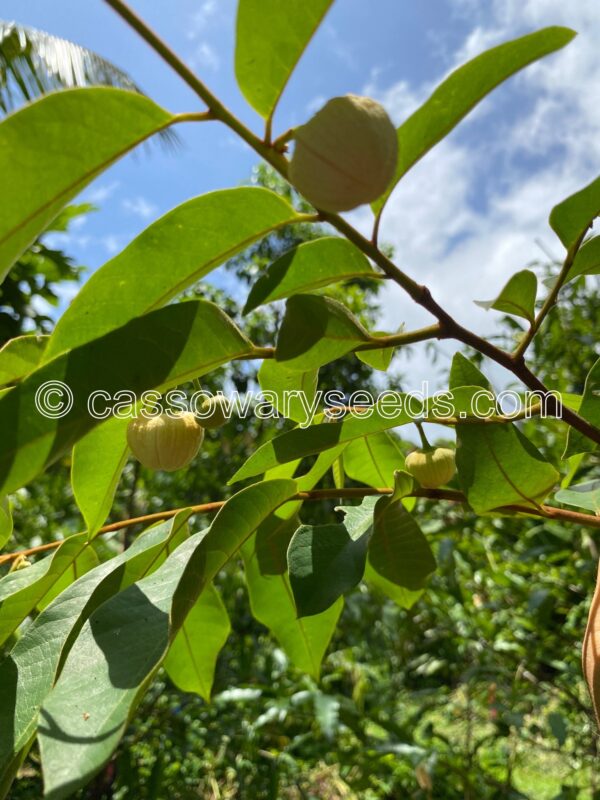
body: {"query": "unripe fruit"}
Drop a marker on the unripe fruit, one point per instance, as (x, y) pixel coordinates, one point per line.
(166, 441)
(218, 407)
(345, 155)
(432, 468)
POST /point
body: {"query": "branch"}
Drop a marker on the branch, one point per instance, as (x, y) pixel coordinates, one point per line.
(449, 327)
(447, 495)
(399, 339)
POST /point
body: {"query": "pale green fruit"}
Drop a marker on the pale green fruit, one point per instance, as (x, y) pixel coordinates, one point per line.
(218, 407)
(167, 442)
(432, 468)
(345, 155)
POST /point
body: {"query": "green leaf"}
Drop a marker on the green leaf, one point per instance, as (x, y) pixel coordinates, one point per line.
(405, 598)
(307, 481)
(309, 266)
(52, 148)
(517, 297)
(272, 540)
(23, 591)
(571, 218)
(590, 410)
(293, 392)
(403, 485)
(460, 92)
(192, 656)
(316, 330)
(98, 461)
(464, 373)
(305, 640)
(6, 521)
(186, 340)
(377, 359)
(270, 40)
(337, 469)
(301, 442)
(28, 673)
(81, 564)
(587, 260)
(497, 466)
(398, 550)
(374, 459)
(581, 495)
(170, 255)
(359, 519)
(324, 562)
(20, 356)
(123, 643)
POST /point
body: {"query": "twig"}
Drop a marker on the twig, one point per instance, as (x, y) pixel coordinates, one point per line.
(448, 495)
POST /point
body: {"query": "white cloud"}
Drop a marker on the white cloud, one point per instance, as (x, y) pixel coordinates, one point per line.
(111, 244)
(201, 18)
(205, 55)
(470, 213)
(140, 207)
(102, 192)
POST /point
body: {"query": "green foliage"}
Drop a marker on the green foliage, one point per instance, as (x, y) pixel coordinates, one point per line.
(161, 262)
(571, 218)
(316, 330)
(463, 89)
(309, 266)
(98, 127)
(269, 45)
(517, 297)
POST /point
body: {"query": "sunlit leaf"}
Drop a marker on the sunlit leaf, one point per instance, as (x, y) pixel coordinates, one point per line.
(192, 656)
(497, 466)
(170, 255)
(571, 218)
(374, 459)
(20, 356)
(587, 260)
(581, 495)
(590, 410)
(270, 39)
(293, 392)
(316, 330)
(52, 148)
(309, 266)
(517, 297)
(460, 92)
(98, 461)
(306, 639)
(302, 442)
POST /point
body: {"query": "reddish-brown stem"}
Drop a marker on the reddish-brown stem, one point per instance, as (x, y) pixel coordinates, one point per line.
(448, 495)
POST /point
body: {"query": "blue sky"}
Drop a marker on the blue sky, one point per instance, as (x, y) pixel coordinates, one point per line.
(473, 212)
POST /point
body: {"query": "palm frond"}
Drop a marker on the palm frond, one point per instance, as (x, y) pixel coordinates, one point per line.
(34, 62)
